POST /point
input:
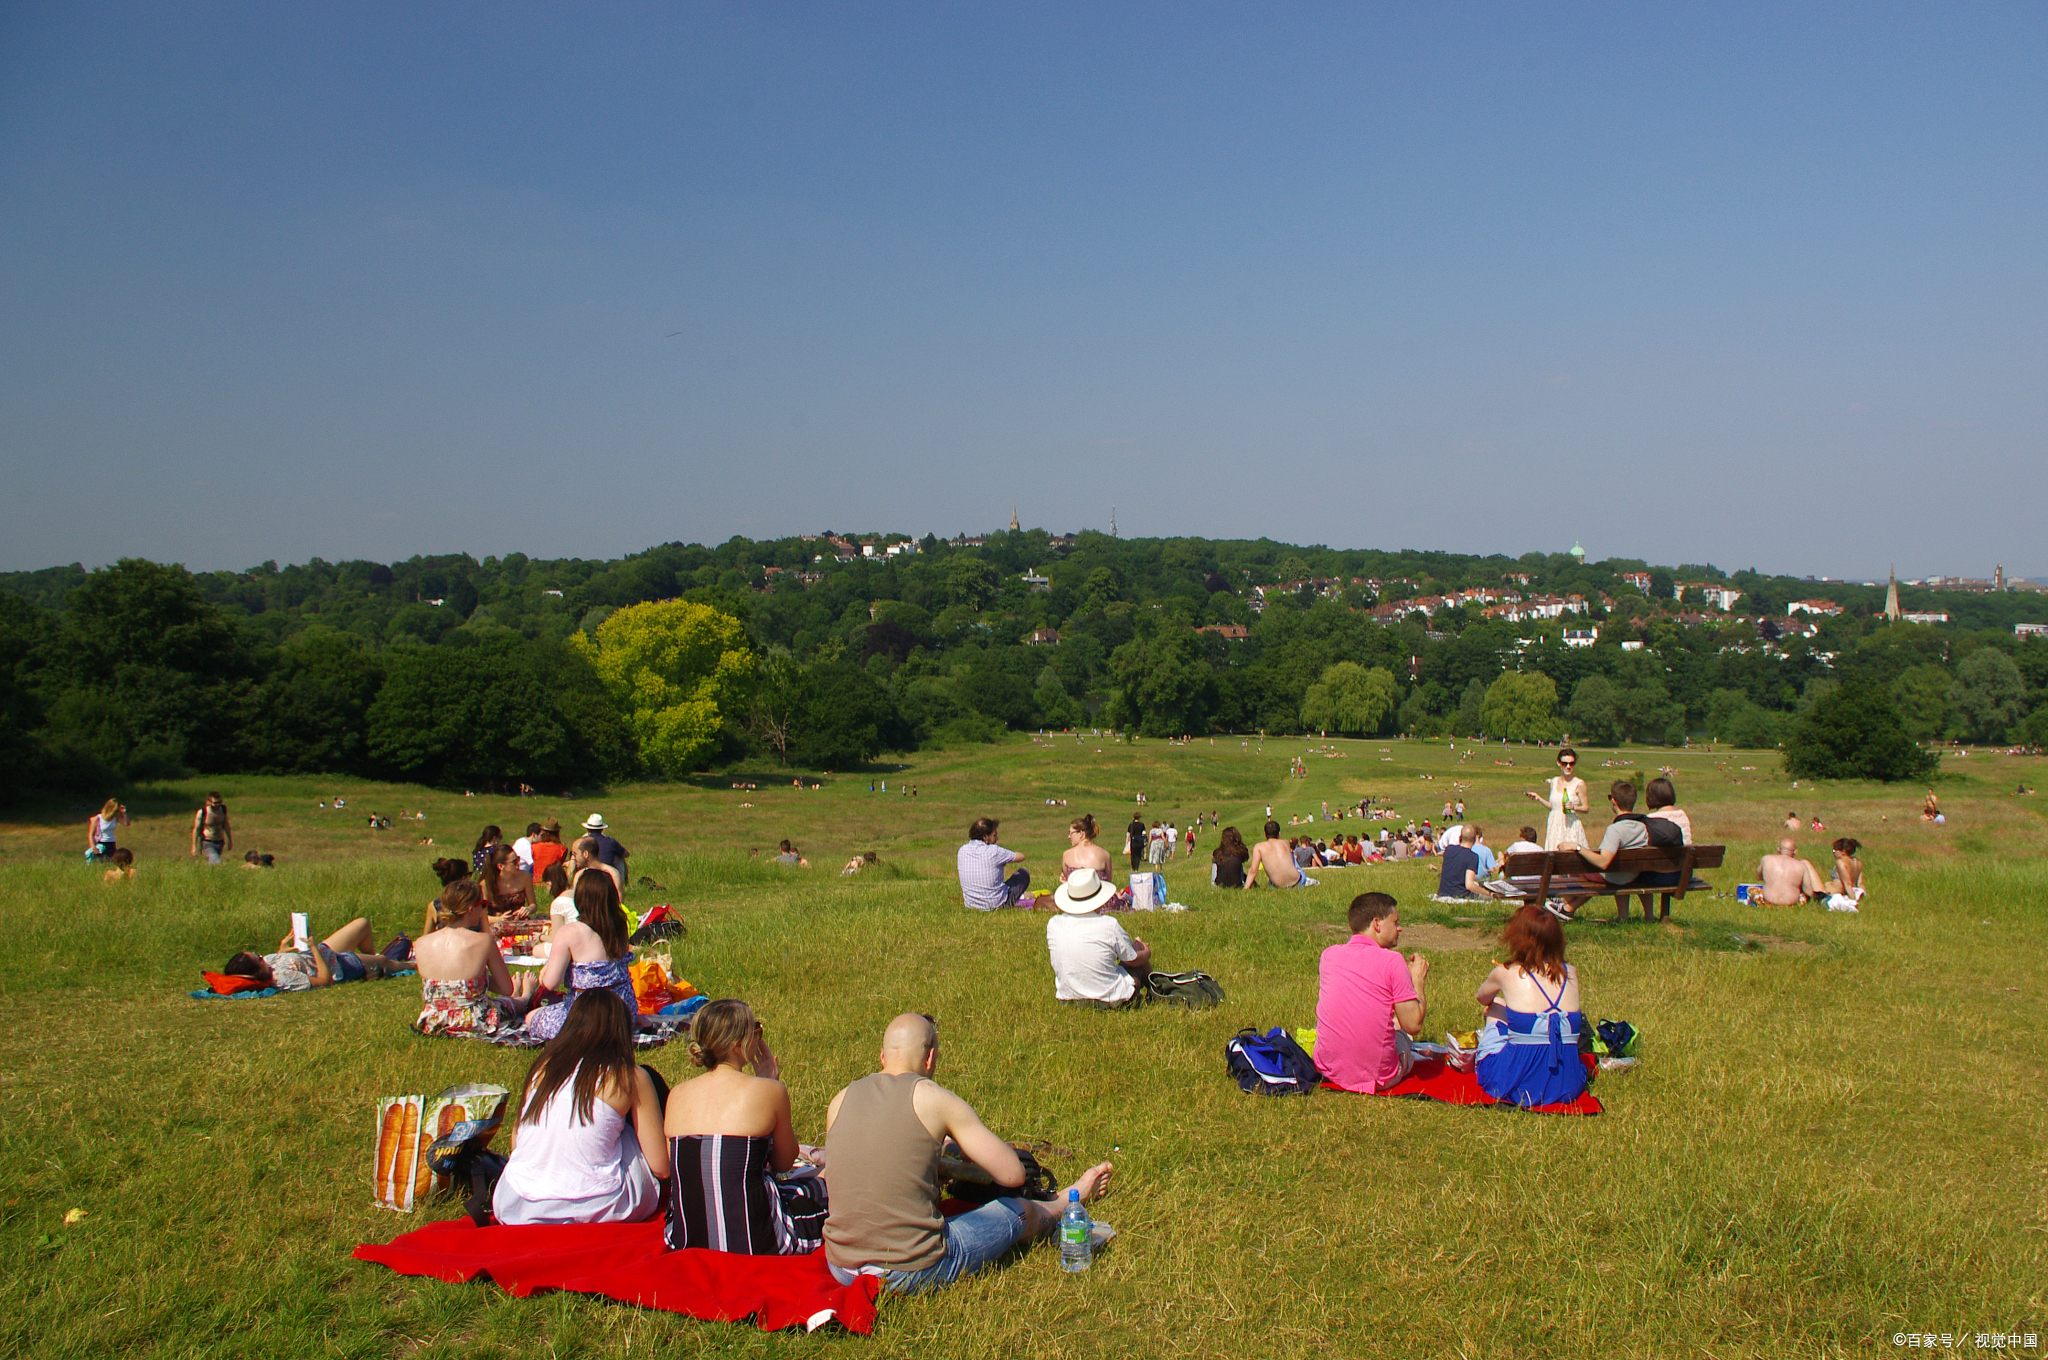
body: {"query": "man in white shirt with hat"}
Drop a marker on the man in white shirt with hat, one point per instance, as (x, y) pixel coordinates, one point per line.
(1094, 962)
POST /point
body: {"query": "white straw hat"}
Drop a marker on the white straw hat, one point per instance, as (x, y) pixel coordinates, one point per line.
(594, 822)
(1082, 893)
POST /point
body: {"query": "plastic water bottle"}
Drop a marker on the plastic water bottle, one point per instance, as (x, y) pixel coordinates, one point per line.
(1077, 1251)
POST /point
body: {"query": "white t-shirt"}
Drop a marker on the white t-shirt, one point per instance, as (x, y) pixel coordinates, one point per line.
(1523, 848)
(1449, 835)
(1086, 951)
(522, 850)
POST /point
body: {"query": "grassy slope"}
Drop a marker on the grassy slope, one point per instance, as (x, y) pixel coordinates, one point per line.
(1822, 1147)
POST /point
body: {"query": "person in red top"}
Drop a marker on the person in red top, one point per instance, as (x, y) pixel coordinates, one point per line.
(547, 846)
(1368, 1000)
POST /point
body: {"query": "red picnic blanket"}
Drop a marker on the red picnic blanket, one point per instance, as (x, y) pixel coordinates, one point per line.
(1434, 1079)
(628, 1262)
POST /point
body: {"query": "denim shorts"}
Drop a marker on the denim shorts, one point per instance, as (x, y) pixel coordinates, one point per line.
(345, 966)
(210, 851)
(974, 1242)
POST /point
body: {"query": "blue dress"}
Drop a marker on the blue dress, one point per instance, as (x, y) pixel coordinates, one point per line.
(1532, 1058)
(546, 1022)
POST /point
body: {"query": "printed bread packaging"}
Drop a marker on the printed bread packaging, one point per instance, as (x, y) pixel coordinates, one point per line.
(459, 1121)
(395, 1175)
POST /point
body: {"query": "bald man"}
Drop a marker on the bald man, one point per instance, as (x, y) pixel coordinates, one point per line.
(1788, 879)
(882, 1141)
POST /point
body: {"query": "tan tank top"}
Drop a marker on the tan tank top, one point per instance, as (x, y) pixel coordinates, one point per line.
(884, 1179)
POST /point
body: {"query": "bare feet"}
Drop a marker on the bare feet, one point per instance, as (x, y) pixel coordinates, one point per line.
(1094, 1183)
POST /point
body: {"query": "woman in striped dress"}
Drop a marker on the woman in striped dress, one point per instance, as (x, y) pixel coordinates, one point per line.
(730, 1139)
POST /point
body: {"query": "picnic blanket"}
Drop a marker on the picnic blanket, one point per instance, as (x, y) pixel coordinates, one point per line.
(1434, 1079)
(258, 993)
(628, 1262)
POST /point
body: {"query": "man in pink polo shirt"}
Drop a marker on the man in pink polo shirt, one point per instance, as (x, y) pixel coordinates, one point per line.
(1369, 1000)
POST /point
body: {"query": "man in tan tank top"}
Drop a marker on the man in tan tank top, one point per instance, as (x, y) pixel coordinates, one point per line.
(882, 1139)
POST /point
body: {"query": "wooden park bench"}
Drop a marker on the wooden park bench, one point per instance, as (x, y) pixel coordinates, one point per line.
(1544, 874)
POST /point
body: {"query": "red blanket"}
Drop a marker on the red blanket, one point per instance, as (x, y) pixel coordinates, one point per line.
(627, 1262)
(1433, 1079)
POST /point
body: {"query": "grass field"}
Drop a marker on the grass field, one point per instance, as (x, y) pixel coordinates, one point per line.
(1835, 1135)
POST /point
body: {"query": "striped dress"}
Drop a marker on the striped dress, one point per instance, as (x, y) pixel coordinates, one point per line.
(722, 1194)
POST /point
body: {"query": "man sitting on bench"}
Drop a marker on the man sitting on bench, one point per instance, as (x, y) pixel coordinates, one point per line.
(1625, 832)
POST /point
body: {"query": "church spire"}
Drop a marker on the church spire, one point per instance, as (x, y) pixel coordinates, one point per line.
(1014, 526)
(1891, 598)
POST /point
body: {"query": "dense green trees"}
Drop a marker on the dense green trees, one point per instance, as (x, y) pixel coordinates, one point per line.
(512, 669)
(1853, 732)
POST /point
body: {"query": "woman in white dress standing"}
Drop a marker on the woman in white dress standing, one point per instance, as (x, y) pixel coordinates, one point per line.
(1567, 799)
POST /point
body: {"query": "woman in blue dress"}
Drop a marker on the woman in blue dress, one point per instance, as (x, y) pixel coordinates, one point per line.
(587, 954)
(1529, 1045)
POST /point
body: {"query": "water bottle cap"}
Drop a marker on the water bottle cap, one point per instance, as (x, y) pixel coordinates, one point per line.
(1073, 1196)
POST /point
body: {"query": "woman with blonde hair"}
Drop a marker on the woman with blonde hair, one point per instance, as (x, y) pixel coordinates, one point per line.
(729, 1133)
(1529, 1042)
(465, 987)
(102, 827)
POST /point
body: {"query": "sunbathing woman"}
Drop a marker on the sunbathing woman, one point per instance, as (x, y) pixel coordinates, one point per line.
(465, 987)
(587, 1146)
(590, 953)
(729, 1133)
(448, 871)
(1848, 879)
(1529, 1042)
(1083, 852)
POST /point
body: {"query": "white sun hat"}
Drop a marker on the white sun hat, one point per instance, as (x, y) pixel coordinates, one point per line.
(1082, 893)
(594, 822)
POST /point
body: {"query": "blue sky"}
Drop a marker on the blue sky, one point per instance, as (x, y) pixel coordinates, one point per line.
(1761, 286)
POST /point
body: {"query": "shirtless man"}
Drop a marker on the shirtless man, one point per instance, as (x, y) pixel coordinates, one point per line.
(1788, 880)
(1273, 855)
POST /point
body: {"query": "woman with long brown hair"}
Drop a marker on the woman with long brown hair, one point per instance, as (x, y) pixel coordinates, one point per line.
(590, 953)
(1227, 860)
(1529, 1043)
(507, 887)
(587, 1146)
(729, 1134)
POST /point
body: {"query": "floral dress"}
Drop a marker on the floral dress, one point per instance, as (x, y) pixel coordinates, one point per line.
(464, 1007)
(546, 1022)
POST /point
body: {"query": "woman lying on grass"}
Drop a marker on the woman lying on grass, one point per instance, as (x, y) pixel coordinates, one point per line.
(587, 1146)
(348, 955)
(590, 953)
(465, 987)
(1529, 1043)
(729, 1133)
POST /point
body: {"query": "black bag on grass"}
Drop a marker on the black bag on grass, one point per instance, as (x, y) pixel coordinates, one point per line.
(1271, 1064)
(1195, 990)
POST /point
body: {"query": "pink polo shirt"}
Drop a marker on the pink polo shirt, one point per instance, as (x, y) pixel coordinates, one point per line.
(1359, 986)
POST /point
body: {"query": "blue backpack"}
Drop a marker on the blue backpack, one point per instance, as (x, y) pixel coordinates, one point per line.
(1271, 1064)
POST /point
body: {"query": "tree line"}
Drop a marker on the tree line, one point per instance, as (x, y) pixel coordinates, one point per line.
(455, 672)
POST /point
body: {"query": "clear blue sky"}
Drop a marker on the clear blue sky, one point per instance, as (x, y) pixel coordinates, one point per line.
(1762, 286)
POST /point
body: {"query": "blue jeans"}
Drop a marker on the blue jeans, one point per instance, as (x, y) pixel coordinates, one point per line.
(209, 851)
(974, 1242)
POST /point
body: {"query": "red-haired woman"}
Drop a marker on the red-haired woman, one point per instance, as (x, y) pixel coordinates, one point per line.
(1529, 1046)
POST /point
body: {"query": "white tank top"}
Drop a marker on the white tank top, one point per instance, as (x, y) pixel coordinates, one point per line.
(559, 1157)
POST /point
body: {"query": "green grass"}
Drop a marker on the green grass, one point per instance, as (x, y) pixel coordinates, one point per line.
(1823, 1145)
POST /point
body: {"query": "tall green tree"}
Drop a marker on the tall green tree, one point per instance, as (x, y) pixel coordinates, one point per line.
(1349, 699)
(1989, 694)
(1521, 706)
(679, 672)
(1854, 732)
